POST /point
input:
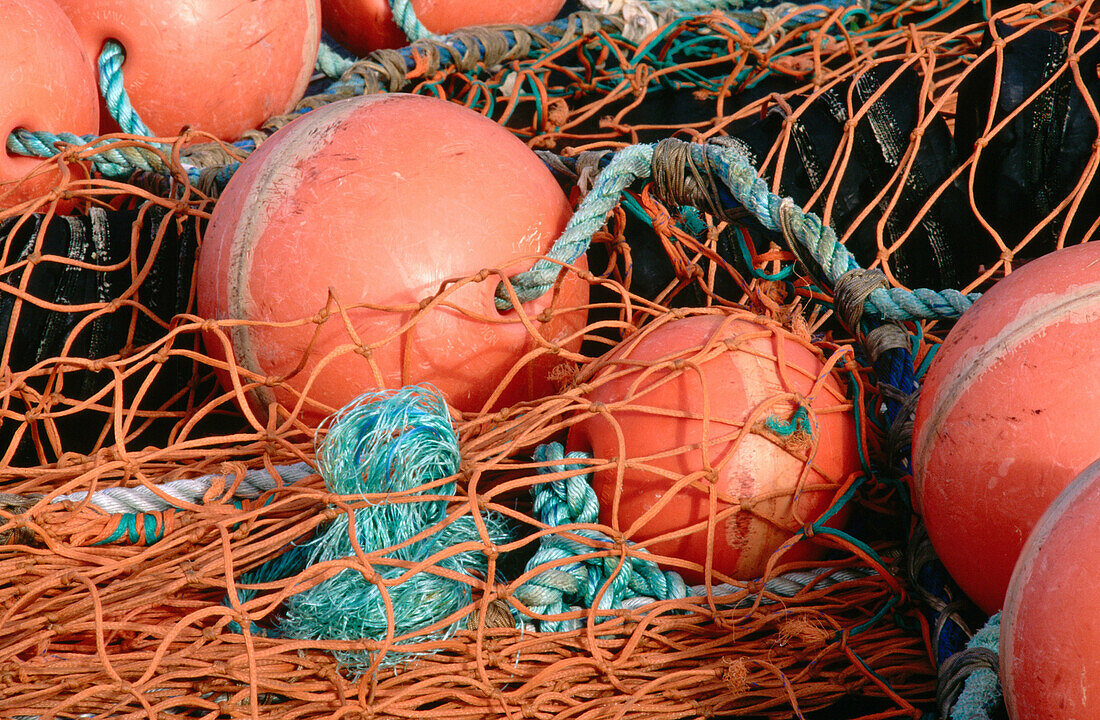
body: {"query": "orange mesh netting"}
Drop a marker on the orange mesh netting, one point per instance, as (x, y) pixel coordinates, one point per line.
(182, 595)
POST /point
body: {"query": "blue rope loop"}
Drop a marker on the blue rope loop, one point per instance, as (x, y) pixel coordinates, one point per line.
(741, 186)
(627, 165)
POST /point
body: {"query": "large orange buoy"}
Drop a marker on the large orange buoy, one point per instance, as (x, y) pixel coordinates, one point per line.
(712, 402)
(382, 200)
(365, 25)
(1007, 416)
(1050, 627)
(222, 66)
(48, 84)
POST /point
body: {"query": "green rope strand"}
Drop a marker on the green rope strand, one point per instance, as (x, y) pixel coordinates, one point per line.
(981, 690)
(111, 160)
(331, 62)
(806, 229)
(571, 581)
(629, 164)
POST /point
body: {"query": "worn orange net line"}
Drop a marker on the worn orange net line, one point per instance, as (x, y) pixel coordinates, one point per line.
(121, 391)
(155, 617)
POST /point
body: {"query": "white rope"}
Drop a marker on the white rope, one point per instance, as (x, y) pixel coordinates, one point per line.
(190, 491)
(785, 585)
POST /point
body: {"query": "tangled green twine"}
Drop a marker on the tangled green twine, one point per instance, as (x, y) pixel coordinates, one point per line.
(390, 443)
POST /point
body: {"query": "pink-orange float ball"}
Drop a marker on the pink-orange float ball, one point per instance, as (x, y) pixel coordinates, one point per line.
(1050, 627)
(365, 25)
(649, 401)
(381, 200)
(47, 84)
(221, 66)
(1007, 416)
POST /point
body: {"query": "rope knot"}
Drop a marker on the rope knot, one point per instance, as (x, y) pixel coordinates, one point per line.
(386, 443)
(851, 293)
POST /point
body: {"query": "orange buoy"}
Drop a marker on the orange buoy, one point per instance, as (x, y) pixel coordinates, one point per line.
(711, 403)
(222, 66)
(365, 25)
(388, 200)
(1050, 627)
(1007, 416)
(48, 85)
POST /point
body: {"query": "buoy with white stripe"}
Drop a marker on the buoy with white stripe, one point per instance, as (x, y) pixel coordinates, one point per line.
(363, 245)
(1050, 627)
(1007, 416)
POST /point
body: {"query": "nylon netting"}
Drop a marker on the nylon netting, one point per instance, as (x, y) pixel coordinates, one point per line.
(942, 152)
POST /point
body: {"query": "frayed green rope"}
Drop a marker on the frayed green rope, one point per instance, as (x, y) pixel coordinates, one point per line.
(387, 443)
(982, 689)
(799, 422)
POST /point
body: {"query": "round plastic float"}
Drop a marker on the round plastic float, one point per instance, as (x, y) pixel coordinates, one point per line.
(48, 85)
(365, 25)
(730, 404)
(1050, 627)
(222, 66)
(350, 220)
(1007, 416)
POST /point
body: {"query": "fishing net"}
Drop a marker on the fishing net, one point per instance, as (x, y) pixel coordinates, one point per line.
(835, 183)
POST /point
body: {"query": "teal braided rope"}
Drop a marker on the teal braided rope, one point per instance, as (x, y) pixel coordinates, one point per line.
(114, 92)
(740, 177)
(405, 17)
(331, 62)
(112, 162)
(629, 164)
(558, 589)
(735, 172)
(982, 689)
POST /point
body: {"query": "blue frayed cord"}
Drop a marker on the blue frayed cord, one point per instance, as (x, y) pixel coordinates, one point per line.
(113, 89)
